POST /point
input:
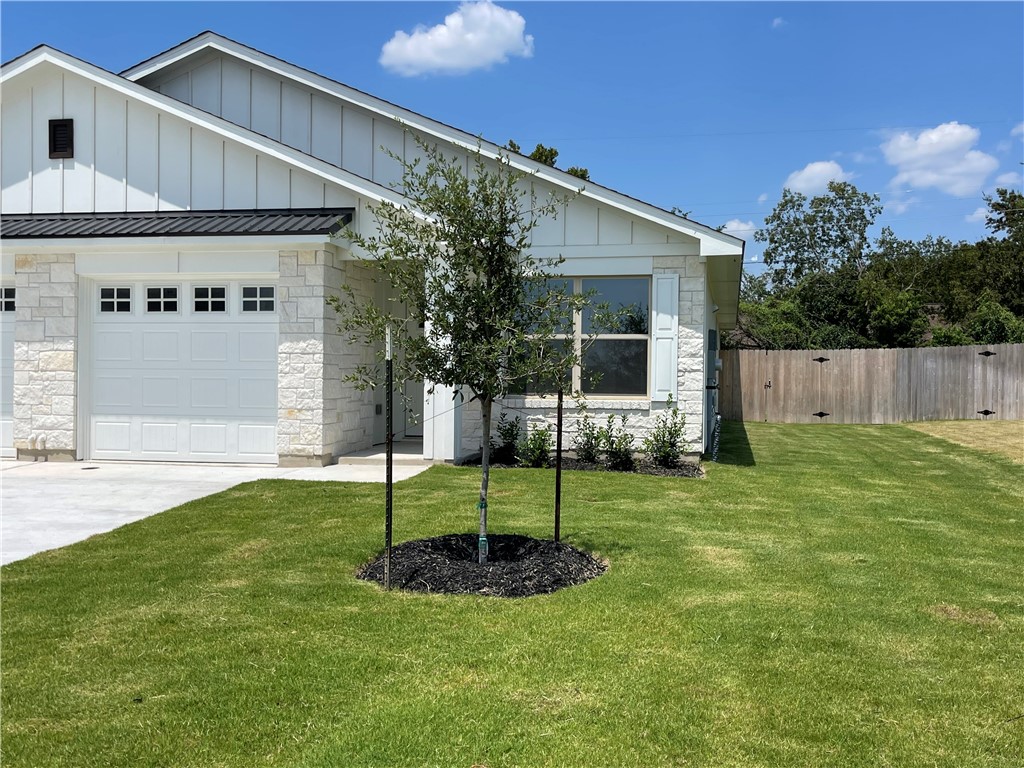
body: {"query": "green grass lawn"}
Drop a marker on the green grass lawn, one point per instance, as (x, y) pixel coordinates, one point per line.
(828, 595)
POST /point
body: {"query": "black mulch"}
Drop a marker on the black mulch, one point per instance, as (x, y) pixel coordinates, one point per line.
(685, 469)
(518, 566)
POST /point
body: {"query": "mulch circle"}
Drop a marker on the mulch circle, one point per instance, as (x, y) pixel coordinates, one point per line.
(518, 566)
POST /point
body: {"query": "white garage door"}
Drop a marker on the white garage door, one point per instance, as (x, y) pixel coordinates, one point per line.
(7, 371)
(184, 371)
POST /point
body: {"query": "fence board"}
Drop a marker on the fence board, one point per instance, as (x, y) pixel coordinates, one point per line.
(873, 386)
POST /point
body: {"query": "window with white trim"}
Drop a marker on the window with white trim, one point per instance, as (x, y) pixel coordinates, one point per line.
(209, 298)
(7, 300)
(161, 298)
(258, 298)
(115, 298)
(617, 360)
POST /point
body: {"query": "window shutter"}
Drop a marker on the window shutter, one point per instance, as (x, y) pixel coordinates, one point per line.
(665, 337)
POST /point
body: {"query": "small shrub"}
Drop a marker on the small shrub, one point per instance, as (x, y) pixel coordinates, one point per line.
(618, 445)
(664, 446)
(535, 451)
(504, 451)
(586, 442)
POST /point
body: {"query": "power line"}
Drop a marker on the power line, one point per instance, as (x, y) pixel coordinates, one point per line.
(776, 132)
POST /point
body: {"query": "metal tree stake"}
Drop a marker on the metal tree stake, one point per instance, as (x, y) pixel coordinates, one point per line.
(389, 375)
(558, 471)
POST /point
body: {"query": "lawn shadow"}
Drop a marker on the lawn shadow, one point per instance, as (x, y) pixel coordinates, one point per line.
(734, 447)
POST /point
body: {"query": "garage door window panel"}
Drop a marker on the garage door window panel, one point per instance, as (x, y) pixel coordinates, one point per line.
(7, 303)
(258, 298)
(162, 299)
(208, 299)
(115, 299)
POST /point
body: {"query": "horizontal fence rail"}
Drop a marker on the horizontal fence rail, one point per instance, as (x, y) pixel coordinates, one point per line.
(873, 386)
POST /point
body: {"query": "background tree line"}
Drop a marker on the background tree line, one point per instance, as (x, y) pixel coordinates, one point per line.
(829, 286)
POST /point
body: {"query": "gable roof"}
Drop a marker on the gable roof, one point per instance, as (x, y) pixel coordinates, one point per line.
(713, 242)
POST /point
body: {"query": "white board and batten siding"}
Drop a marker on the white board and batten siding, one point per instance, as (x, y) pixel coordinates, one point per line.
(313, 122)
(341, 133)
(130, 156)
(181, 385)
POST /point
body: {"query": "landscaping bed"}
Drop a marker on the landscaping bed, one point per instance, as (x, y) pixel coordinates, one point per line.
(518, 566)
(642, 467)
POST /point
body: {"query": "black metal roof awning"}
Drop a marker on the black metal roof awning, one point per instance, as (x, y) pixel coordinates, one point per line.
(287, 221)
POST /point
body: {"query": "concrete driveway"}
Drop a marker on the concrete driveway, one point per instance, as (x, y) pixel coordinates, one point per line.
(45, 505)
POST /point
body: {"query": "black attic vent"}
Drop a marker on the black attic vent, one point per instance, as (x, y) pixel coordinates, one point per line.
(62, 139)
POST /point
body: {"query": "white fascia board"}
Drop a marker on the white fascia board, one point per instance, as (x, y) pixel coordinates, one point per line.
(712, 241)
(170, 57)
(361, 186)
(131, 244)
(647, 250)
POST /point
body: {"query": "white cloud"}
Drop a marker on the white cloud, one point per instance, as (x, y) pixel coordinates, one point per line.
(742, 229)
(476, 36)
(813, 178)
(978, 215)
(899, 206)
(1018, 130)
(762, 198)
(777, 22)
(1011, 179)
(940, 157)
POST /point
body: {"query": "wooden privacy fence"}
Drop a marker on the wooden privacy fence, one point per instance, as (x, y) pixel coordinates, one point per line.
(873, 386)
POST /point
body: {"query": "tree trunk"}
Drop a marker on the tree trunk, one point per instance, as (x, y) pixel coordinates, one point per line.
(485, 474)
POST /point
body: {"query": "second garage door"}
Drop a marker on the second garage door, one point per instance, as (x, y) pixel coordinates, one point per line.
(184, 371)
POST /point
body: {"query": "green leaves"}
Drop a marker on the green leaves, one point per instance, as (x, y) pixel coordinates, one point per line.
(830, 288)
(456, 258)
(806, 236)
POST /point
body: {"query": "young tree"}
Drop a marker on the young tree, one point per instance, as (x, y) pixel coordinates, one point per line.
(456, 254)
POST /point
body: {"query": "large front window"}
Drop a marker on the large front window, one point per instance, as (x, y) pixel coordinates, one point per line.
(613, 334)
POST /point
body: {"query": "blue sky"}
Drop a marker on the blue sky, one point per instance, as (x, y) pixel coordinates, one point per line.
(711, 107)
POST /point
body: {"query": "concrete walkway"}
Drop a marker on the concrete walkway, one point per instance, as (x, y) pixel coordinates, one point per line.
(45, 505)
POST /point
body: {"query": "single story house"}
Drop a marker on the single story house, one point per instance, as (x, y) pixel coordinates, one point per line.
(170, 233)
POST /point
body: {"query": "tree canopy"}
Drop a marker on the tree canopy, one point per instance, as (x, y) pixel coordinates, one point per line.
(830, 285)
(548, 156)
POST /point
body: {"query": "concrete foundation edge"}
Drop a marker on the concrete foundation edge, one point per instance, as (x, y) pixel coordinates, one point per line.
(28, 454)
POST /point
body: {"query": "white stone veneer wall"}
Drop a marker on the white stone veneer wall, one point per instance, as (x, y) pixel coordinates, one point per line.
(350, 411)
(319, 415)
(44, 355)
(641, 414)
(690, 384)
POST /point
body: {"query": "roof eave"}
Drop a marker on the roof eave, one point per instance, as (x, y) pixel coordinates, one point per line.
(185, 243)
